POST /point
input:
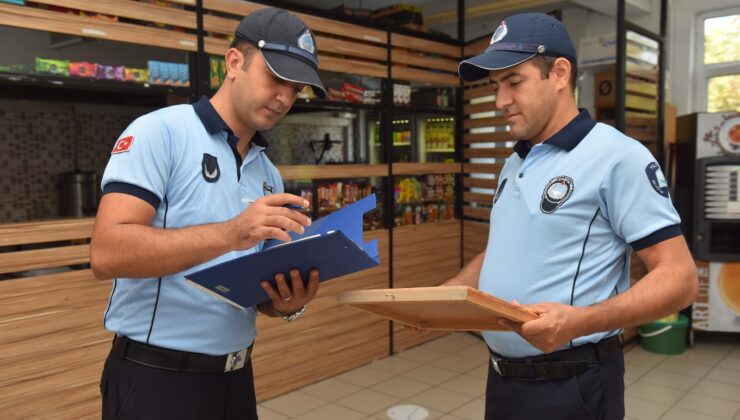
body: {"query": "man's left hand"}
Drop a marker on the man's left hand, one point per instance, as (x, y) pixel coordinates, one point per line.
(287, 300)
(555, 325)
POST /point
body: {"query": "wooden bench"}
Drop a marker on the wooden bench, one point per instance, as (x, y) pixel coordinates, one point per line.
(52, 340)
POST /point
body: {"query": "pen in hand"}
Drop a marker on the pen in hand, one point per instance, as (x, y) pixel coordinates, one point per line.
(289, 206)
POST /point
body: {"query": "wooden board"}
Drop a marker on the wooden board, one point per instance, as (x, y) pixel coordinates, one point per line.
(459, 308)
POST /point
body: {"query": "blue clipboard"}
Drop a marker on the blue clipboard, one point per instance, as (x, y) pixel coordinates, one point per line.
(332, 244)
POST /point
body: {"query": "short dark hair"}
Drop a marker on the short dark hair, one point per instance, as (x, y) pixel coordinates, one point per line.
(246, 48)
(545, 63)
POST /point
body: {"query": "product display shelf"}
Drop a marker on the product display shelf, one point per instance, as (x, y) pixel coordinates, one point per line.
(145, 33)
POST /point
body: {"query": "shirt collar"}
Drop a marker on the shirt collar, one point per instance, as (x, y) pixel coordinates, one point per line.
(215, 124)
(567, 138)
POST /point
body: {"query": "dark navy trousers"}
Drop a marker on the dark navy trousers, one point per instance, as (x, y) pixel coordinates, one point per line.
(597, 393)
(134, 391)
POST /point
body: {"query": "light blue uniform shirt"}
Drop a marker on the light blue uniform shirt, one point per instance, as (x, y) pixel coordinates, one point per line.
(565, 215)
(183, 161)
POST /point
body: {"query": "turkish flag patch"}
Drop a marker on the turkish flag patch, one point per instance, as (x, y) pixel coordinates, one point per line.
(123, 144)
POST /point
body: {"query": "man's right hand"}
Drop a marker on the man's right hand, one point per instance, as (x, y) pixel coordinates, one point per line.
(267, 218)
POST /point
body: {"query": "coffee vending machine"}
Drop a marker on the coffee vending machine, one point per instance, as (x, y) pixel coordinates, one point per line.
(707, 179)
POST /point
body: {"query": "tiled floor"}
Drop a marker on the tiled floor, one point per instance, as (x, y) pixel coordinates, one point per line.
(447, 377)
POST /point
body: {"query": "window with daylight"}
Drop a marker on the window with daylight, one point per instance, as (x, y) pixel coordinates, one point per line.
(718, 72)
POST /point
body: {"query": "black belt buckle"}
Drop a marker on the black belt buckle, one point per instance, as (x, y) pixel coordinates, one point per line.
(235, 360)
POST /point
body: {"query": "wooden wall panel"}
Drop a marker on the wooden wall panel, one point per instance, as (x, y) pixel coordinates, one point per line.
(483, 152)
(424, 45)
(418, 75)
(242, 8)
(37, 232)
(53, 345)
(423, 255)
(425, 168)
(328, 339)
(51, 333)
(475, 238)
(11, 262)
(476, 47)
(132, 10)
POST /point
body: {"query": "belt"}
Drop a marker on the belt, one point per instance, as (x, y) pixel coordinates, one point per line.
(181, 361)
(560, 364)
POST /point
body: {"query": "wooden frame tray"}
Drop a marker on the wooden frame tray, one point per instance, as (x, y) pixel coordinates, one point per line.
(459, 308)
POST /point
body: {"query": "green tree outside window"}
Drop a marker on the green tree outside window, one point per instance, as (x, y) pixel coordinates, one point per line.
(722, 45)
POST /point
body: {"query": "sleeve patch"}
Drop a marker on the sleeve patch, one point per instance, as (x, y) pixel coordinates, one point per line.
(656, 179)
(123, 145)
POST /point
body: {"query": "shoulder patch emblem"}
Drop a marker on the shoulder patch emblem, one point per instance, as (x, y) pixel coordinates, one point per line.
(656, 178)
(122, 145)
(209, 168)
(556, 192)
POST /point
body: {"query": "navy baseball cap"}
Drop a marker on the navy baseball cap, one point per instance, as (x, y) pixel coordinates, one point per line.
(286, 43)
(517, 39)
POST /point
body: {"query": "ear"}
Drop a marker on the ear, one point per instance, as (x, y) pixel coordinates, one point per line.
(234, 62)
(561, 72)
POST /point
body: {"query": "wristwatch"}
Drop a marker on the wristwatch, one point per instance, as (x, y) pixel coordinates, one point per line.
(294, 315)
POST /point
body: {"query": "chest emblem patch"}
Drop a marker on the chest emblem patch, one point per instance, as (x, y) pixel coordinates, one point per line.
(267, 189)
(556, 192)
(209, 168)
(656, 178)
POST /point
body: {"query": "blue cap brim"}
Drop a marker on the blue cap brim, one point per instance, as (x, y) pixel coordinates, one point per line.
(478, 67)
(294, 70)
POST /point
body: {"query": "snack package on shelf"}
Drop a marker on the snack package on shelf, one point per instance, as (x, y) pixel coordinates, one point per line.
(168, 74)
(399, 14)
(174, 71)
(155, 77)
(106, 72)
(217, 71)
(136, 75)
(184, 75)
(353, 93)
(371, 97)
(101, 16)
(401, 94)
(83, 69)
(49, 66)
(427, 199)
(333, 94)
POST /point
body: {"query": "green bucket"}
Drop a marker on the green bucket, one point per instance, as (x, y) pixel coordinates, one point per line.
(665, 337)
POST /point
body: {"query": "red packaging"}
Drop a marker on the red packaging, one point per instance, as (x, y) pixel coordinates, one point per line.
(83, 69)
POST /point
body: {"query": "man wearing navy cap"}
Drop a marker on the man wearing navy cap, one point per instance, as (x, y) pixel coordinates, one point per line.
(573, 201)
(187, 187)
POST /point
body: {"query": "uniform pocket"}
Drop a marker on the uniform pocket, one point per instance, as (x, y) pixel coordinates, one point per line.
(590, 389)
(127, 380)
